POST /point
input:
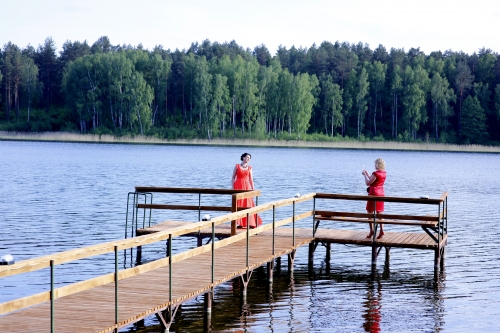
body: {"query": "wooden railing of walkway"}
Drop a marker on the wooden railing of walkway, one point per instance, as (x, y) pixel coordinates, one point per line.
(50, 261)
(148, 191)
(27, 314)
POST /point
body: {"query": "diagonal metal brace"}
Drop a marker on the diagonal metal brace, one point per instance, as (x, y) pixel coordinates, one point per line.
(316, 226)
(166, 323)
(426, 229)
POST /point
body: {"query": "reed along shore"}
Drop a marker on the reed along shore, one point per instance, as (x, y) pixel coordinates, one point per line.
(375, 145)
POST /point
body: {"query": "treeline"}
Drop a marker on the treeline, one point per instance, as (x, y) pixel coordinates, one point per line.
(326, 92)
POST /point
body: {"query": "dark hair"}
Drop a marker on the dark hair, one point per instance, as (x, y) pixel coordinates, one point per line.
(245, 155)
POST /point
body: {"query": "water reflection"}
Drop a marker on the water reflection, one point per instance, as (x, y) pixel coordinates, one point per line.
(372, 307)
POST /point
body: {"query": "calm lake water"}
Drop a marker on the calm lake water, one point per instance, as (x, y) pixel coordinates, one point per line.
(58, 196)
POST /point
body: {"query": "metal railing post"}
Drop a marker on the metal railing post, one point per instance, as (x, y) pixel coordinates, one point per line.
(314, 214)
(52, 324)
(274, 226)
(213, 252)
(293, 219)
(116, 287)
(150, 210)
(248, 236)
(170, 275)
(199, 206)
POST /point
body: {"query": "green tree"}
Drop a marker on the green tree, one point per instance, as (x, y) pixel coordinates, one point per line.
(331, 103)
(140, 97)
(396, 87)
(441, 96)
(221, 104)
(30, 84)
(376, 73)
(497, 101)
(474, 122)
(362, 86)
(463, 82)
(203, 92)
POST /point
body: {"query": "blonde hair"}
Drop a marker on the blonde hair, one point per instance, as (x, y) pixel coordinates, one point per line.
(380, 164)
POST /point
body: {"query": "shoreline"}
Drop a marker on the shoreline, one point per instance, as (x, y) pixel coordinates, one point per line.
(372, 145)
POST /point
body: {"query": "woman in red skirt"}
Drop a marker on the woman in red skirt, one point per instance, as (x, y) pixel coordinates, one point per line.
(243, 180)
(376, 183)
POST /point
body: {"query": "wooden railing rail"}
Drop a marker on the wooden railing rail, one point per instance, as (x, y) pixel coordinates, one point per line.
(155, 189)
(98, 249)
(147, 191)
(382, 199)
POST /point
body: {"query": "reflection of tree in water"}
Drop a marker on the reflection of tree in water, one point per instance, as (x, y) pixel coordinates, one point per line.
(373, 305)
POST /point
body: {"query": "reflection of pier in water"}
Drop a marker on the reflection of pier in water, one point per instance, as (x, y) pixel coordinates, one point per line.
(276, 301)
(160, 287)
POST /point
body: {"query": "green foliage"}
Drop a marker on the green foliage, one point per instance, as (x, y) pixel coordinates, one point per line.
(212, 90)
(474, 122)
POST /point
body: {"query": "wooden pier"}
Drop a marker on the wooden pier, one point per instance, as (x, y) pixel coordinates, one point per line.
(122, 297)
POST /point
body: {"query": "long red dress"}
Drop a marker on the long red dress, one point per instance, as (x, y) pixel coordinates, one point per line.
(242, 182)
(377, 188)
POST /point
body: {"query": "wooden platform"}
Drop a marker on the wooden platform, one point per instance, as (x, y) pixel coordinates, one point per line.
(143, 295)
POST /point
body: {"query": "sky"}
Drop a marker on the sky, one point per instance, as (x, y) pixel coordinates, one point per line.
(432, 25)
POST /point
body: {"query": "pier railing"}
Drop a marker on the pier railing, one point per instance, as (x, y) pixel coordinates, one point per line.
(51, 261)
(146, 193)
(436, 226)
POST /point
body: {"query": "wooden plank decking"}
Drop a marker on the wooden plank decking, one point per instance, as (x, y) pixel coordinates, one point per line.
(416, 240)
(143, 295)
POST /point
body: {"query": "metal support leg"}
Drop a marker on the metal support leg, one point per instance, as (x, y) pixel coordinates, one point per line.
(166, 319)
(270, 267)
(245, 278)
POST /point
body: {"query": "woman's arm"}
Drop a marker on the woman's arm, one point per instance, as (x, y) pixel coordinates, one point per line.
(369, 180)
(251, 180)
(233, 179)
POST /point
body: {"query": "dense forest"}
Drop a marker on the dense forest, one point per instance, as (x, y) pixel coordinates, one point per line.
(334, 91)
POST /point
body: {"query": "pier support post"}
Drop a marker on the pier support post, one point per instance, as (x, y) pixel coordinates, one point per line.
(442, 259)
(199, 241)
(374, 256)
(270, 267)
(138, 257)
(310, 257)
(387, 255)
(207, 301)
(291, 259)
(437, 262)
(328, 250)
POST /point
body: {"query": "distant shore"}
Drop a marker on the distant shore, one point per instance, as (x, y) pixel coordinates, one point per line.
(385, 145)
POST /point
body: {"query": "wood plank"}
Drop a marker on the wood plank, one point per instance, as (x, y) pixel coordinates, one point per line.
(157, 189)
(185, 207)
(377, 198)
(323, 213)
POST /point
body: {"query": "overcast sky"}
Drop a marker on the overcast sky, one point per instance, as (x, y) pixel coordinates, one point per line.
(431, 25)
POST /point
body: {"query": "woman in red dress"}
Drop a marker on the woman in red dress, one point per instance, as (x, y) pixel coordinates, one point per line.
(376, 183)
(243, 180)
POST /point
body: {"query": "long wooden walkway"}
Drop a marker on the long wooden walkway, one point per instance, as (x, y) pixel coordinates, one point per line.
(115, 300)
(143, 295)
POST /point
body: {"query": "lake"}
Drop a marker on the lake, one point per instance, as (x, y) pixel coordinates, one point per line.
(59, 196)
